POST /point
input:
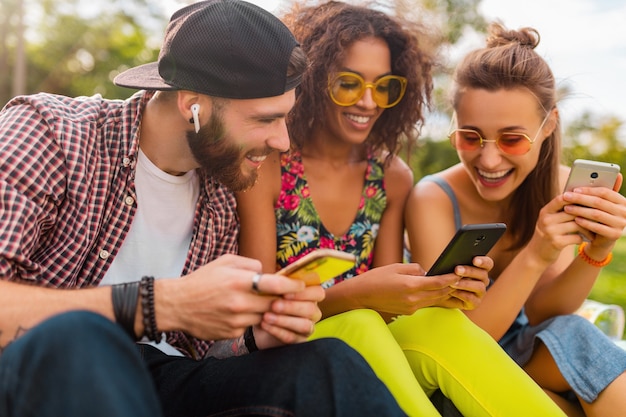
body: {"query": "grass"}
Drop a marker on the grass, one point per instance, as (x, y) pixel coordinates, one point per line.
(610, 287)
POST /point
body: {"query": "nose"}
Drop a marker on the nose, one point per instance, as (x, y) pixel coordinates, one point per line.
(490, 155)
(367, 100)
(279, 140)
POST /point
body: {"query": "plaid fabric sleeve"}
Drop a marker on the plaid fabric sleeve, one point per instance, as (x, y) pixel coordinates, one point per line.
(32, 183)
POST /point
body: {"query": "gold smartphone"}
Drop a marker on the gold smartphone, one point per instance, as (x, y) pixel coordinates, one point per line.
(587, 173)
(319, 266)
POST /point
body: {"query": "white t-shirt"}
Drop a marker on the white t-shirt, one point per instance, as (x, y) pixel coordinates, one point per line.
(159, 237)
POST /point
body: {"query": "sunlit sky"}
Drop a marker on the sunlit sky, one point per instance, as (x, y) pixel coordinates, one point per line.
(584, 41)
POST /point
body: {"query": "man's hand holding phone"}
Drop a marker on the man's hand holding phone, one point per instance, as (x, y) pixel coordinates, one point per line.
(291, 317)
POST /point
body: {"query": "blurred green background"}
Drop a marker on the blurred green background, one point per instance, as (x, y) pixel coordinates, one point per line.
(610, 287)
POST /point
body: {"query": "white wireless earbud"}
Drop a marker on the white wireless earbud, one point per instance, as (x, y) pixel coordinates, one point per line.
(195, 109)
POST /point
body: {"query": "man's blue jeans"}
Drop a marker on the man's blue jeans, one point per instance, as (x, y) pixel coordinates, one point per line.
(75, 365)
(81, 364)
(324, 377)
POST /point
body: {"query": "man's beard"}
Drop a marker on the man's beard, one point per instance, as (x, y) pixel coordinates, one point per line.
(218, 155)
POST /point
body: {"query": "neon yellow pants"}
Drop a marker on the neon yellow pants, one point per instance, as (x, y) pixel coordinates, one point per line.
(440, 348)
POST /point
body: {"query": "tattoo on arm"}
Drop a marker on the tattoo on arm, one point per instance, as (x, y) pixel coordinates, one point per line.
(227, 348)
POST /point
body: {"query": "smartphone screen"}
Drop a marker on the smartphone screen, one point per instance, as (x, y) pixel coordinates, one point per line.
(469, 241)
(319, 266)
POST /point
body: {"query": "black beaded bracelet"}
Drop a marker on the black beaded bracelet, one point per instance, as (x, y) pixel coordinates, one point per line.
(124, 297)
(146, 291)
(248, 339)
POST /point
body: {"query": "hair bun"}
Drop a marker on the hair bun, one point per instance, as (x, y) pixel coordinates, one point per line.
(500, 36)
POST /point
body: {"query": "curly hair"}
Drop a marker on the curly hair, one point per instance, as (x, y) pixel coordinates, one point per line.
(325, 32)
(510, 62)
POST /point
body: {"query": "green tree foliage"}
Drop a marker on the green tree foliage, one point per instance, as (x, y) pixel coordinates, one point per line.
(457, 16)
(593, 137)
(429, 156)
(76, 47)
(73, 52)
(10, 27)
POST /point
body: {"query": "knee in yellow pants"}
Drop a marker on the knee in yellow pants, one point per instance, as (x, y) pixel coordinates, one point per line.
(367, 333)
(447, 351)
(440, 348)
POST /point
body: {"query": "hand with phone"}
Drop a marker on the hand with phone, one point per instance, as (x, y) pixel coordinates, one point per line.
(589, 209)
(469, 242)
(396, 289)
(217, 301)
(585, 173)
(403, 288)
(464, 266)
(592, 199)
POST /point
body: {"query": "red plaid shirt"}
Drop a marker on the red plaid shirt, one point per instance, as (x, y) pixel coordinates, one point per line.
(67, 169)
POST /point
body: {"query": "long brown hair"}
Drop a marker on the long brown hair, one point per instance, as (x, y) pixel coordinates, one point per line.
(508, 62)
(325, 32)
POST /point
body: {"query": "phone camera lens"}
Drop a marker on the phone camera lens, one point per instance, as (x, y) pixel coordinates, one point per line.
(594, 175)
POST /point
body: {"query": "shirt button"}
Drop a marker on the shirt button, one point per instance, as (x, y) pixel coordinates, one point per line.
(104, 254)
(126, 161)
(129, 200)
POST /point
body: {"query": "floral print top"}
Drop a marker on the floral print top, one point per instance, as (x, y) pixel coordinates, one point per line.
(300, 230)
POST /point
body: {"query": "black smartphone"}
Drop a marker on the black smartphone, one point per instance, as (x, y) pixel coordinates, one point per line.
(587, 173)
(469, 241)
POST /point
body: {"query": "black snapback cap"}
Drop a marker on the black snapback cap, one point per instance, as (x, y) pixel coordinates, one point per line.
(222, 48)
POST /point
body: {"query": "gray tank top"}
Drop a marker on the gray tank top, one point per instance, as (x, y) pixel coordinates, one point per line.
(448, 190)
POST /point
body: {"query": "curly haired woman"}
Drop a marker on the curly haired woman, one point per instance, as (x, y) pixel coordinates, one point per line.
(342, 186)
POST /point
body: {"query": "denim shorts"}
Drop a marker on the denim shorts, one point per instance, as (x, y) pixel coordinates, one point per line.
(588, 360)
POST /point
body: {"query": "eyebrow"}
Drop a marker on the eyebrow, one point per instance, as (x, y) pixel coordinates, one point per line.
(260, 116)
(505, 129)
(345, 69)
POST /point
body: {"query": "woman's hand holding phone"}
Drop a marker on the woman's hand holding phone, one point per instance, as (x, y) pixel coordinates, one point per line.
(598, 209)
(599, 215)
(465, 255)
(472, 286)
(585, 173)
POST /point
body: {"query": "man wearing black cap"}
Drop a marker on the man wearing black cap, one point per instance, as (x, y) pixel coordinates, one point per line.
(100, 197)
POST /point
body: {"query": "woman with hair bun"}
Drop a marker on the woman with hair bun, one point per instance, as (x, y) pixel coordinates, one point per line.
(506, 131)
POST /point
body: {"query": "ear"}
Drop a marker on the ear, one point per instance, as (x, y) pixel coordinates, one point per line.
(552, 123)
(193, 107)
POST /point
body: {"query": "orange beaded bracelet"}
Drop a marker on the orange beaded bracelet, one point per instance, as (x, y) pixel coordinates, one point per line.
(593, 262)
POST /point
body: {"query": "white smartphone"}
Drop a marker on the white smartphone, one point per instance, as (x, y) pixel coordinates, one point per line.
(585, 173)
(469, 241)
(319, 266)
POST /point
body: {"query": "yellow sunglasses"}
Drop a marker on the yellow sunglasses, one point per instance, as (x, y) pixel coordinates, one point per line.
(347, 88)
